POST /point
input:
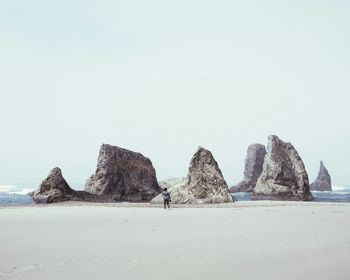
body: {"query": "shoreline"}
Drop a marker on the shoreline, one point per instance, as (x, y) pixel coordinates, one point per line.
(237, 204)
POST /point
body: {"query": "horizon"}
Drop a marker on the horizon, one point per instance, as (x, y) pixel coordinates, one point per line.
(18, 190)
(164, 78)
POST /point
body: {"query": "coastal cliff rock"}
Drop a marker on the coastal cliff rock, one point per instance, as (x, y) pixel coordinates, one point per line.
(54, 189)
(284, 176)
(252, 168)
(205, 182)
(123, 174)
(323, 181)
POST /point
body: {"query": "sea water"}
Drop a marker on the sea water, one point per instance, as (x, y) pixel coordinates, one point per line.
(339, 194)
(13, 195)
(15, 199)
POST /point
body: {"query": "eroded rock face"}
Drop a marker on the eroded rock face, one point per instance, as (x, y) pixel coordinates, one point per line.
(205, 182)
(54, 189)
(252, 169)
(125, 175)
(172, 183)
(284, 176)
(323, 181)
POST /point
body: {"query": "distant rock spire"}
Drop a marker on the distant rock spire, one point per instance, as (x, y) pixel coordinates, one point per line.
(323, 181)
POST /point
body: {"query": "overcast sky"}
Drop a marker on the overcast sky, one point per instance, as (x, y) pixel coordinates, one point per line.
(163, 77)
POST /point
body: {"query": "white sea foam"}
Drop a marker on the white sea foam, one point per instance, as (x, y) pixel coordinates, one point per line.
(15, 189)
(341, 189)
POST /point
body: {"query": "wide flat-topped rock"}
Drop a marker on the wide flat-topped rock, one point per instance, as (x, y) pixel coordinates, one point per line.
(205, 182)
(123, 174)
(323, 181)
(252, 168)
(284, 176)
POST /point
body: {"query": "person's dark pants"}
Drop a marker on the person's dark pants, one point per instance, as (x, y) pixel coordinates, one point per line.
(166, 202)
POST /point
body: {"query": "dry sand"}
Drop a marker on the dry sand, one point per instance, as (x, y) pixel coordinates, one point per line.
(251, 240)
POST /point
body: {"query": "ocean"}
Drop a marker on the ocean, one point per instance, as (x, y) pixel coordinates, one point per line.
(18, 196)
(13, 195)
(339, 194)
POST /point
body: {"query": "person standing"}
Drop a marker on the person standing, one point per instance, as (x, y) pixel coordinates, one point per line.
(166, 198)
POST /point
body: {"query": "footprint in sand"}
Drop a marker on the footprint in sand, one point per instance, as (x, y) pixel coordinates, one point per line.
(22, 269)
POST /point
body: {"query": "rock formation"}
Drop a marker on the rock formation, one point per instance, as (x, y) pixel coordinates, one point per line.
(323, 181)
(284, 176)
(205, 183)
(171, 184)
(252, 169)
(54, 189)
(123, 174)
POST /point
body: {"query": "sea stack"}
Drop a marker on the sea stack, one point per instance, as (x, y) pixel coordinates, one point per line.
(205, 182)
(323, 181)
(284, 176)
(252, 168)
(123, 174)
(54, 189)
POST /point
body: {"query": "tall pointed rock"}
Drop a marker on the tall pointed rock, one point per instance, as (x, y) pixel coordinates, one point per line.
(284, 176)
(205, 182)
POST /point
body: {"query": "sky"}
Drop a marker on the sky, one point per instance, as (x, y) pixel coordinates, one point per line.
(164, 77)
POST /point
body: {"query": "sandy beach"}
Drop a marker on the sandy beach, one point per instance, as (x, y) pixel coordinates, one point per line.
(250, 240)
